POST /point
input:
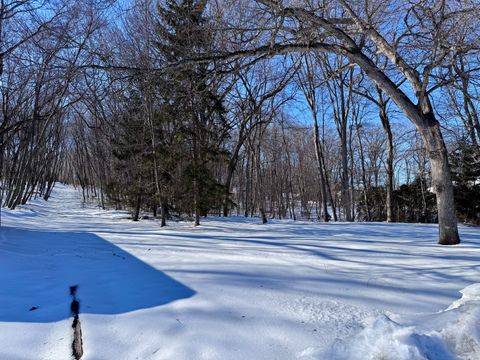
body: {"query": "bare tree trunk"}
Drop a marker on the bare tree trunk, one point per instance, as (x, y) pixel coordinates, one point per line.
(329, 192)
(230, 171)
(441, 182)
(163, 213)
(389, 180)
(259, 186)
(248, 187)
(422, 116)
(290, 201)
(136, 214)
(346, 203)
(309, 87)
(352, 178)
(364, 178)
(319, 157)
(228, 185)
(196, 190)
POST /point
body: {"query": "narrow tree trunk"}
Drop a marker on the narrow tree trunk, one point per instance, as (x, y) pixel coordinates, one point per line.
(136, 213)
(230, 172)
(228, 185)
(346, 203)
(196, 190)
(259, 188)
(48, 191)
(197, 213)
(364, 178)
(389, 180)
(352, 187)
(247, 183)
(319, 156)
(263, 215)
(163, 213)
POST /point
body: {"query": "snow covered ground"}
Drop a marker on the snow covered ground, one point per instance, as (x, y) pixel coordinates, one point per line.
(232, 288)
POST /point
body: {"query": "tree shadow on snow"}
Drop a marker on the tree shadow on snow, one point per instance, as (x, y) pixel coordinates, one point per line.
(37, 268)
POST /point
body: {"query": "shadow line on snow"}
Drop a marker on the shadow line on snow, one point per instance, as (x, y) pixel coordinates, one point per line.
(38, 267)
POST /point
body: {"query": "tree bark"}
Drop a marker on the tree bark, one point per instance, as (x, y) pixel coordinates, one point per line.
(364, 178)
(389, 180)
(136, 213)
(423, 118)
(441, 182)
(346, 203)
(230, 171)
(318, 153)
(163, 213)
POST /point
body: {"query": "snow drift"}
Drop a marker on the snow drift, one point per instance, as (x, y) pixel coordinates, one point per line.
(450, 334)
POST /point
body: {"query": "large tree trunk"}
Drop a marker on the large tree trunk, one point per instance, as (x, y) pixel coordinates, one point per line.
(441, 182)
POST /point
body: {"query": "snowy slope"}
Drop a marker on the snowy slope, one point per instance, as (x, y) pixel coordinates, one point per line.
(231, 288)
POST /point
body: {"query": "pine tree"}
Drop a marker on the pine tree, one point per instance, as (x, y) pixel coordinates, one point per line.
(415, 202)
(184, 32)
(132, 161)
(465, 165)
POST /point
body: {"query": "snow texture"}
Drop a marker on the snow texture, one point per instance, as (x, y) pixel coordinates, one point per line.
(232, 288)
(447, 335)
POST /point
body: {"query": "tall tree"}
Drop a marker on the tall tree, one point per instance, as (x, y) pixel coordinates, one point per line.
(184, 32)
(359, 31)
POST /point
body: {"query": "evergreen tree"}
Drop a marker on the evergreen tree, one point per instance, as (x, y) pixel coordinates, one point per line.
(184, 32)
(415, 202)
(465, 165)
(132, 161)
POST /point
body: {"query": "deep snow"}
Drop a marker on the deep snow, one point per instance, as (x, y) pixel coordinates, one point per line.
(232, 288)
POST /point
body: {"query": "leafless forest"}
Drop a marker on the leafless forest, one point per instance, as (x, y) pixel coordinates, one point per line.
(331, 110)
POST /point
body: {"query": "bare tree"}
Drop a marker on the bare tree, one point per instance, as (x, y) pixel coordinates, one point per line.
(309, 84)
(355, 30)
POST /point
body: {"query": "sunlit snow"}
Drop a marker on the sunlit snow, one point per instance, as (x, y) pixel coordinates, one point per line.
(232, 288)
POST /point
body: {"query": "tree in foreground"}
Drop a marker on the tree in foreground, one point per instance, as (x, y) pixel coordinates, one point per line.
(418, 40)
